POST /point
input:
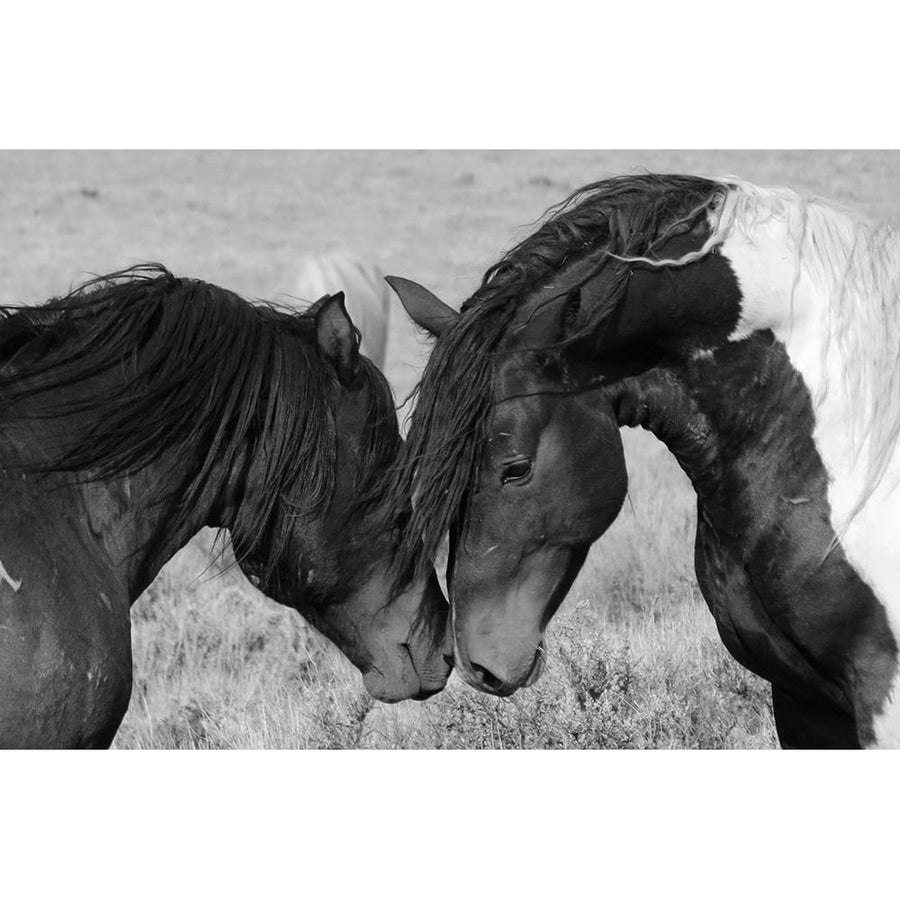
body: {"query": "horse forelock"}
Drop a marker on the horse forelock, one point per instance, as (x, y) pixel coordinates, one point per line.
(425, 490)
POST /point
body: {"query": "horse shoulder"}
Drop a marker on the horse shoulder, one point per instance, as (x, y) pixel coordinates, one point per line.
(65, 643)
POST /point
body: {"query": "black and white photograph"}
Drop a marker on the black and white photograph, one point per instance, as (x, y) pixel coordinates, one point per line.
(491, 391)
(449, 449)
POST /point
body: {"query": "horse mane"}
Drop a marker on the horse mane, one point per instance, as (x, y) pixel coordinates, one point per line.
(854, 262)
(850, 260)
(621, 217)
(195, 368)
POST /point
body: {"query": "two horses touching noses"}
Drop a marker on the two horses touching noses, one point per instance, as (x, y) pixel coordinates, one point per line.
(752, 331)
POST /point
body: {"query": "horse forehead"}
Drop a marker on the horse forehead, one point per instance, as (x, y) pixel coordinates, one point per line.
(518, 376)
(519, 405)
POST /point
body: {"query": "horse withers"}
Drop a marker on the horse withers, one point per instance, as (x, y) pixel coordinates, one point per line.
(142, 407)
(754, 332)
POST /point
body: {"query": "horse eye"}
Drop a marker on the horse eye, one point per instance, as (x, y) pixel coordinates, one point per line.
(516, 471)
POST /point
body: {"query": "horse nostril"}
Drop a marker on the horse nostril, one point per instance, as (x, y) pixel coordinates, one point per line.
(488, 678)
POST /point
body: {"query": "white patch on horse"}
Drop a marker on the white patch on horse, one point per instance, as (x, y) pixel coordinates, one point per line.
(796, 284)
(5, 576)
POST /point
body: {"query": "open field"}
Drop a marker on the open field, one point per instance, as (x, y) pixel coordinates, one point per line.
(633, 657)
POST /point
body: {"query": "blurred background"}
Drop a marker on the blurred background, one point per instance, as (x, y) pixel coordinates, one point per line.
(634, 660)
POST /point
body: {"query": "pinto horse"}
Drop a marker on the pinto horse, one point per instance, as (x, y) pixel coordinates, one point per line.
(755, 333)
(142, 407)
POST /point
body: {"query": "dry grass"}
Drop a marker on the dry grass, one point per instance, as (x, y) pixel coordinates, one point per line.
(633, 657)
(633, 660)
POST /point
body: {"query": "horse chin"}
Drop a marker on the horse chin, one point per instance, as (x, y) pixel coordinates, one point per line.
(379, 688)
(406, 682)
(385, 691)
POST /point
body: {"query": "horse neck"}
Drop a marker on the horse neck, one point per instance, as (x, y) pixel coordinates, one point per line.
(131, 517)
(128, 518)
(136, 515)
(733, 421)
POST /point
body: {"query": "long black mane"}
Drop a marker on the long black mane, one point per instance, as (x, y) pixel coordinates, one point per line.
(185, 366)
(619, 217)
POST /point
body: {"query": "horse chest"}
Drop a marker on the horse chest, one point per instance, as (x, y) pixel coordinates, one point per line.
(862, 512)
(724, 586)
(795, 610)
(749, 616)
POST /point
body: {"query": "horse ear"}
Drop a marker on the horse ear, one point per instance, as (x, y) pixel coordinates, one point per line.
(338, 337)
(313, 308)
(422, 306)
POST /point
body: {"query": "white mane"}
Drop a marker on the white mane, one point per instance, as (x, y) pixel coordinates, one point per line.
(855, 263)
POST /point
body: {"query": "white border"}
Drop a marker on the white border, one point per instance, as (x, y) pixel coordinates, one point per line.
(183, 73)
(446, 75)
(453, 824)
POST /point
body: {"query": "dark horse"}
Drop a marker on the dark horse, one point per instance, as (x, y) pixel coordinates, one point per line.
(755, 333)
(142, 407)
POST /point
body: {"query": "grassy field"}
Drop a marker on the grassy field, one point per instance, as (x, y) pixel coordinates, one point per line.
(633, 657)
